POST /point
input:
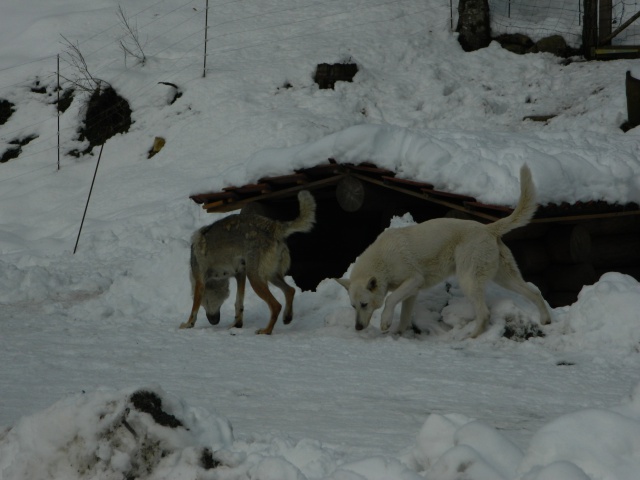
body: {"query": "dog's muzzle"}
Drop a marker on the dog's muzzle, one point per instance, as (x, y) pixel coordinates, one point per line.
(214, 318)
(359, 326)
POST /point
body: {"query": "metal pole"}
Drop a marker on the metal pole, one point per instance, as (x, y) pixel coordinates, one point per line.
(58, 70)
(451, 14)
(88, 198)
(206, 31)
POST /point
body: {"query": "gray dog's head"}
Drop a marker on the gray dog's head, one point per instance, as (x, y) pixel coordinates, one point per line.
(215, 293)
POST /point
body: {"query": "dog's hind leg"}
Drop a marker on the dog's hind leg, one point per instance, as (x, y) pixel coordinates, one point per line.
(198, 291)
(474, 289)
(509, 277)
(241, 280)
(289, 293)
(262, 290)
(476, 264)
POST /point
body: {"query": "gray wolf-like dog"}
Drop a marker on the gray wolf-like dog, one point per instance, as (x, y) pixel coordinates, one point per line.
(406, 260)
(245, 246)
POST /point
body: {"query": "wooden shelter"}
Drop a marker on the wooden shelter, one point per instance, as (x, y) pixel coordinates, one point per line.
(564, 248)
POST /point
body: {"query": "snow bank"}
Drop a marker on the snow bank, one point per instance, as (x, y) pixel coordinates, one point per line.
(589, 321)
(142, 433)
(149, 434)
(588, 444)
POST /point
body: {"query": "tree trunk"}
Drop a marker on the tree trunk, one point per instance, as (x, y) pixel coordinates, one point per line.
(473, 24)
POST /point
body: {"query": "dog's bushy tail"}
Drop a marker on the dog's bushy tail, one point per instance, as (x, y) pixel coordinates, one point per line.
(307, 217)
(198, 251)
(525, 209)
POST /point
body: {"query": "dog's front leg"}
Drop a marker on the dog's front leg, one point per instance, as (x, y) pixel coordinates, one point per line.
(198, 290)
(405, 313)
(241, 280)
(408, 288)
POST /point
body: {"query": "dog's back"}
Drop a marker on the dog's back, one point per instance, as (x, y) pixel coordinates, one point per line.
(223, 248)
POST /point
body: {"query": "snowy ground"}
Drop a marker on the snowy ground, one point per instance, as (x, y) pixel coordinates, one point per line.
(80, 333)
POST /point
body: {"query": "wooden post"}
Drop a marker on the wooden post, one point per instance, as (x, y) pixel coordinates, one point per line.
(590, 28)
(604, 23)
(632, 85)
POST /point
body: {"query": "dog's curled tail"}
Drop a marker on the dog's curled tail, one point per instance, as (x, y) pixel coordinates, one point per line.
(307, 217)
(525, 209)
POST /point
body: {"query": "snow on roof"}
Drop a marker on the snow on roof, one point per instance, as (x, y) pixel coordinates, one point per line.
(483, 165)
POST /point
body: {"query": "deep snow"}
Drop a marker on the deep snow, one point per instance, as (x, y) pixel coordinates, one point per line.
(81, 332)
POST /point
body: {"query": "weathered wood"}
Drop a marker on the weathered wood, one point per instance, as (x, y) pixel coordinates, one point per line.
(462, 215)
(613, 225)
(570, 278)
(539, 280)
(531, 255)
(561, 299)
(632, 86)
(350, 193)
(605, 13)
(528, 232)
(610, 251)
(590, 27)
(355, 193)
(568, 244)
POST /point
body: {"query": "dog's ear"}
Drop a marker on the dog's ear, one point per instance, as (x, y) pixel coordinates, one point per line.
(372, 284)
(345, 282)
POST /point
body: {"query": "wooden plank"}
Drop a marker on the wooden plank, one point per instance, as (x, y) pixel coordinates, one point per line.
(406, 182)
(250, 188)
(439, 193)
(213, 205)
(325, 170)
(370, 168)
(213, 196)
(487, 206)
(605, 13)
(291, 179)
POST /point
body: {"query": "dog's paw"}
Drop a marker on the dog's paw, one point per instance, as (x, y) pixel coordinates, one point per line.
(263, 331)
(186, 325)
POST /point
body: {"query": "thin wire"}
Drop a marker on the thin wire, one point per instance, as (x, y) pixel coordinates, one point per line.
(95, 173)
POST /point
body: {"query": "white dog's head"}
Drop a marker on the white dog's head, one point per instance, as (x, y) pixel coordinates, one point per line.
(366, 297)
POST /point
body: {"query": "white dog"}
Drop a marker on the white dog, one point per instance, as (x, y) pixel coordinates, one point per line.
(406, 260)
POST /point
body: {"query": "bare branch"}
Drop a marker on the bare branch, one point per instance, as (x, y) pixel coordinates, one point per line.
(83, 79)
(130, 43)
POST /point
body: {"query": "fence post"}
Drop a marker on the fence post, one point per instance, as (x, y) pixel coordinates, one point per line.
(632, 86)
(605, 16)
(206, 31)
(590, 28)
